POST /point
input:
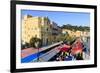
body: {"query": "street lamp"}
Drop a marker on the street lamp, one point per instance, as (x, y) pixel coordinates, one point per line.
(37, 46)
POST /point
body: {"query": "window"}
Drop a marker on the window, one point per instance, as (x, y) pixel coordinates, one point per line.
(47, 29)
(35, 35)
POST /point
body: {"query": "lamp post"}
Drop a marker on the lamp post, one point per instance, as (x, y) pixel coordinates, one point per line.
(37, 46)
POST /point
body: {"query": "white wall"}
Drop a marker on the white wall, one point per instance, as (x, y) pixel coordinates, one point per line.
(5, 37)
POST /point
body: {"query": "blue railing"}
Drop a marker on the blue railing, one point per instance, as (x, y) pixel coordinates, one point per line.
(31, 57)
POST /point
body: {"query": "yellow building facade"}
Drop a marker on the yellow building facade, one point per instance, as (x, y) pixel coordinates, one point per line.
(76, 33)
(40, 27)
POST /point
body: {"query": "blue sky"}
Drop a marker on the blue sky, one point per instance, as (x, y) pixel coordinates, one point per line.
(61, 18)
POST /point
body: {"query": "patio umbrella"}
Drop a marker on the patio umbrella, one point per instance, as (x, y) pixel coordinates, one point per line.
(65, 48)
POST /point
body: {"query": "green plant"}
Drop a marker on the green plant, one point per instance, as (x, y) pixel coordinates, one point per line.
(34, 40)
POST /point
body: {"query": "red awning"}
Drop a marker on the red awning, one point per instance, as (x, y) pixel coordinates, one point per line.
(65, 48)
